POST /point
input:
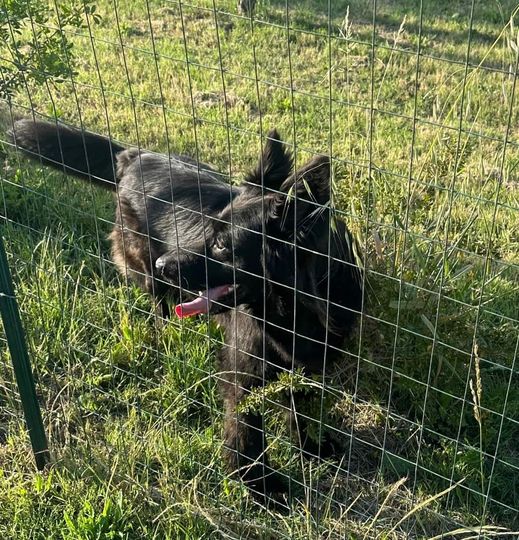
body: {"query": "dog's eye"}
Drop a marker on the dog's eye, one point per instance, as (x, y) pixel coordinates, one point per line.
(219, 245)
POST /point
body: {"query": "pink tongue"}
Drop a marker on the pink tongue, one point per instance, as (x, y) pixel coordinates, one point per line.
(202, 303)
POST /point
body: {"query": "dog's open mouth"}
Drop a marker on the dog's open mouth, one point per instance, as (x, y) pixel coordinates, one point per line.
(202, 304)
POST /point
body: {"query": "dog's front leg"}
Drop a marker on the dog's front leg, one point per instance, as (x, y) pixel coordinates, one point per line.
(304, 425)
(245, 446)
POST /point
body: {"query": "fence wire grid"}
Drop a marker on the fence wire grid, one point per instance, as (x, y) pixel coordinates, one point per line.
(401, 120)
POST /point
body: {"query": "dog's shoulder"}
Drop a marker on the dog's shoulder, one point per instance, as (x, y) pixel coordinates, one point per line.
(136, 162)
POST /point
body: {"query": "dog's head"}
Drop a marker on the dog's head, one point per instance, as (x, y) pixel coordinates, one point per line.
(270, 235)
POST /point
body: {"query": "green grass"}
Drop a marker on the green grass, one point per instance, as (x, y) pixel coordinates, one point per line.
(132, 412)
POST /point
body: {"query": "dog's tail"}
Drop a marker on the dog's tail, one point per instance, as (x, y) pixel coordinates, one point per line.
(75, 152)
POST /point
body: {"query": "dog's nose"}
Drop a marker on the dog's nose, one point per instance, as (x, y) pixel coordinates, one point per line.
(160, 264)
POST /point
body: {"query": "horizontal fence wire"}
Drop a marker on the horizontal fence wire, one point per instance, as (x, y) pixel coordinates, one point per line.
(261, 416)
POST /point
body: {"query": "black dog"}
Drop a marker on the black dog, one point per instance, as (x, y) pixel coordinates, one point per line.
(276, 266)
(147, 225)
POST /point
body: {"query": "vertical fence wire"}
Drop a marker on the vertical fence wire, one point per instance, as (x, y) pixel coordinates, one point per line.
(237, 76)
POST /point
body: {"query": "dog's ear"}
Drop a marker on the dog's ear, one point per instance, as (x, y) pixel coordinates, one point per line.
(274, 166)
(304, 195)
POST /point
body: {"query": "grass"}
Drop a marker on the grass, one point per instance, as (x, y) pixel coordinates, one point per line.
(429, 389)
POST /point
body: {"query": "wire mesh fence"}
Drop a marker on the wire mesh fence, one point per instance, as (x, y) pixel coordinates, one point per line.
(316, 335)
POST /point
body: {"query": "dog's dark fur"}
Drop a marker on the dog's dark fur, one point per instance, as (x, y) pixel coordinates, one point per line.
(146, 224)
(274, 239)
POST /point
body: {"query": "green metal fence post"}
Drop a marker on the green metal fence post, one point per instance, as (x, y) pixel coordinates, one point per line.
(21, 363)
